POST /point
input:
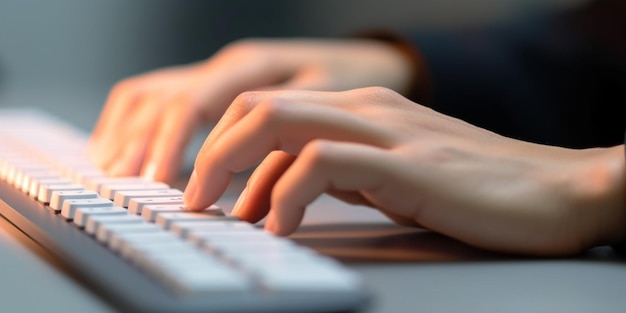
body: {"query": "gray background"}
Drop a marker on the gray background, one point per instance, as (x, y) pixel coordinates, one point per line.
(64, 55)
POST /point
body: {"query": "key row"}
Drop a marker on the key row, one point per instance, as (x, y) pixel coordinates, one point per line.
(142, 221)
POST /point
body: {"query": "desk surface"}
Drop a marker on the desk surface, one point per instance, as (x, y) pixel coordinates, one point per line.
(407, 270)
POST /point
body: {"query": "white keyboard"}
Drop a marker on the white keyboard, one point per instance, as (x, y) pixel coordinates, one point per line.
(129, 239)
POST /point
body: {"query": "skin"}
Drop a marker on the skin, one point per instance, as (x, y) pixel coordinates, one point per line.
(148, 120)
(372, 146)
(366, 146)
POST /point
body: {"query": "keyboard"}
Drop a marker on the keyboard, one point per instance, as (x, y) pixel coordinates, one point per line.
(129, 240)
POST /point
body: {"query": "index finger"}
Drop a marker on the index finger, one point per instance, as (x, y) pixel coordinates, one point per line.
(250, 131)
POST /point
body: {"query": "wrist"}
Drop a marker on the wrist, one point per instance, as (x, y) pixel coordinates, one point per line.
(603, 199)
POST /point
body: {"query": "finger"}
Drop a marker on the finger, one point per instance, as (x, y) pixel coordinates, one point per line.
(125, 99)
(279, 103)
(169, 140)
(105, 146)
(238, 68)
(121, 101)
(356, 198)
(128, 159)
(254, 204)
(351, 197)
(107, 111)
(280, 124)
(401, 220)
(301, 81)
(124, 154)
(323, 165)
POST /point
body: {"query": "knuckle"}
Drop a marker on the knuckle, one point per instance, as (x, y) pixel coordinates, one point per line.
(376, 100)
(271, 110)
(246, 100)
(377, 94)
(268, 109)
(123, 86)
(318, 152)
(251, 49)
(381, 92)
(173, 112)
(180, 101)
(125, 93)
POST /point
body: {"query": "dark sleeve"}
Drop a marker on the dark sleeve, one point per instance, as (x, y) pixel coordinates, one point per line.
(557, 79)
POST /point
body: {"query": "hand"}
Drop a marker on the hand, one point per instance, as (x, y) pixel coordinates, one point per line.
(373, 147)
(149, 119)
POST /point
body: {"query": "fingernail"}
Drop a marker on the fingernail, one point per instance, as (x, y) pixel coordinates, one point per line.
(240, 201)
(192, 188)
(150, 171)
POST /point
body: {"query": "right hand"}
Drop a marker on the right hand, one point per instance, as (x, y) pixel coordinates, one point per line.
(372, 147)
(148, 120)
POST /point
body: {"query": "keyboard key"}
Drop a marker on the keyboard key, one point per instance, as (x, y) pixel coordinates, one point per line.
(165, 220)
(94, 221)
(122, 198)
(59, 197)
(108, 190)
(28, 177)
(201, 277)
(45, 191)
(181, 229)
(168, 249)
(255, 262)
(107, 229)
(149, 212)
(70, 206)
(81, 215)
(205, 260)
(135, 206)
(97, 183)
(216, 240)
(310, 277)
(118, 241)
(240, 243)
(193, 273)
(33, 191)
(15, 172)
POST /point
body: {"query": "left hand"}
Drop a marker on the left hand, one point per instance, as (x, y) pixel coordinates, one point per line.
(149, 119)
(372, 146)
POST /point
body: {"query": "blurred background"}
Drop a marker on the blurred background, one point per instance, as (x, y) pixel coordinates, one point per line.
(65, 55)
